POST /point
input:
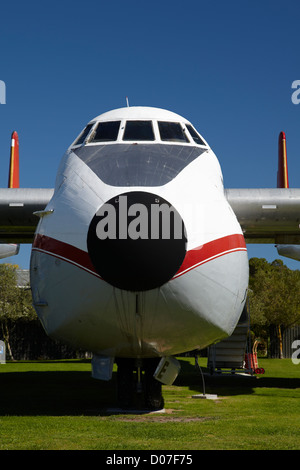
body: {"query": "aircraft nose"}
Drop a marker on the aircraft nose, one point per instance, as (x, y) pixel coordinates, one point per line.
(136, 241)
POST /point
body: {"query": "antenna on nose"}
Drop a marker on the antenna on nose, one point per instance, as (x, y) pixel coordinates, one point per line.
(127, 101)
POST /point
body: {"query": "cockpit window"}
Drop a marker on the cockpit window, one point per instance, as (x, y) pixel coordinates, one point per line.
(195, 135)
(138, 130)
(83, 135)
(171, 132)
(106, 131)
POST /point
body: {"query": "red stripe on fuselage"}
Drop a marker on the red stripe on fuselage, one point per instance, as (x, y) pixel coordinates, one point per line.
(64, 251)
(210, 251)
(193, 258)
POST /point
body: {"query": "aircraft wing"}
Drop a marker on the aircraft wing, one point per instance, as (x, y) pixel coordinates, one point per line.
(271, 215)
(17, 206)
(267, 215)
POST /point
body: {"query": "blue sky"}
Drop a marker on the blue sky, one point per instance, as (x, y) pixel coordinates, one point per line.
(227, 66)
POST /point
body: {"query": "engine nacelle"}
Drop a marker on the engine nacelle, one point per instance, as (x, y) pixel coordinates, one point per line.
(9, 249)
(289, 251)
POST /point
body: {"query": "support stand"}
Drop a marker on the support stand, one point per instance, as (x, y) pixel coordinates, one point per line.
(203, 395)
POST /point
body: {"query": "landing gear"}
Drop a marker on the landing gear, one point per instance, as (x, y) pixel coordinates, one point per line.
(125, 382)
(136, 385)
(153, 388)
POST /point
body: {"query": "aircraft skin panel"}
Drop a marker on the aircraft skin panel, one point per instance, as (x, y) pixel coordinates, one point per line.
(210, 251)
(127, 324)
(196, 257)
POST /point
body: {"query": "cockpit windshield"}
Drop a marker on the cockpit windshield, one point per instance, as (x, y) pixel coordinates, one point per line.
(138, 130)
(171, 132)
(106, 132)
(83, 134)
(196, 137)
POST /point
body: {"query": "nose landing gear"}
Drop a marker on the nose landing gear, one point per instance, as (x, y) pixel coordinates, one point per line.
(136, 386)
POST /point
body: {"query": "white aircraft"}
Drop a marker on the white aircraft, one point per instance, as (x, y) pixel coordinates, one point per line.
(140, 253)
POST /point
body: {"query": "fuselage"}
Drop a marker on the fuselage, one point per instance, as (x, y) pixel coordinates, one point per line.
(138, 253)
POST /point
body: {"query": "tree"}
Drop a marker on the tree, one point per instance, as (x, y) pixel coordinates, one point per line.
(15, 302)
(274, 296)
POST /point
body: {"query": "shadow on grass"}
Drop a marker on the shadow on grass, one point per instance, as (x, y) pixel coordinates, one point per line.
(75, 393)
(229, 385)
(56, 393)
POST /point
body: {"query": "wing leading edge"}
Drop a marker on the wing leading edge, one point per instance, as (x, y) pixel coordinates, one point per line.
(267, 215)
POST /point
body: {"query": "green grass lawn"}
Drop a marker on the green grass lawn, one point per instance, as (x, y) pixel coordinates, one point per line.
(56, 405)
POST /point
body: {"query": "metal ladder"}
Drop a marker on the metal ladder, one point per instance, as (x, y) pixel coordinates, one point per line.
(228, 356)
